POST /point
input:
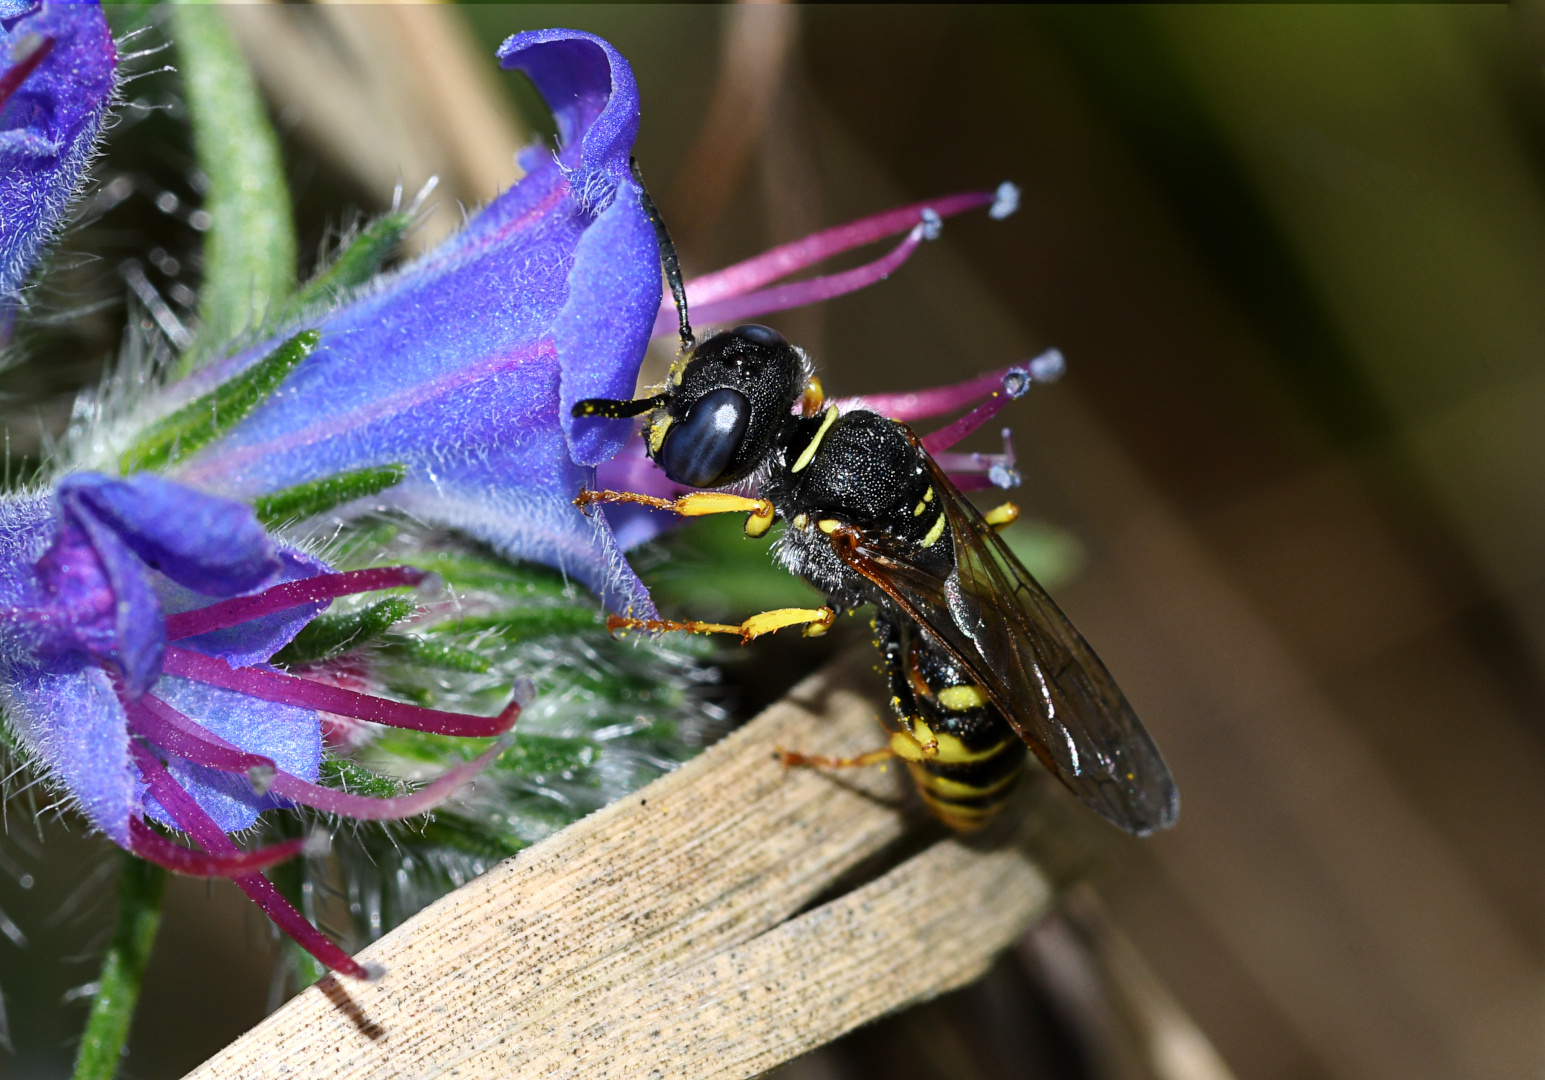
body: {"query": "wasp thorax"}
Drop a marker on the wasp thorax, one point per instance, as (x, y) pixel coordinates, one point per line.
(725, 405)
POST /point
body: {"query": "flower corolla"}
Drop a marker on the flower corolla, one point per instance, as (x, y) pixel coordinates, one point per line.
(136, 619)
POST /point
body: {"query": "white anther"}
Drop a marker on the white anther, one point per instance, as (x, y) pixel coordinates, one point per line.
(1003, 476)
(524, 691)
(1005, 201)
(260, 778)
(1049, 366)
(933, 224)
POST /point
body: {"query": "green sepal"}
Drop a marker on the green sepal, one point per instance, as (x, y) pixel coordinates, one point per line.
(436, 654)
(328, 636)
(206, 419)
(319, 496)
(356, 264)
(530, 622)
(354, 778)
(471, 572)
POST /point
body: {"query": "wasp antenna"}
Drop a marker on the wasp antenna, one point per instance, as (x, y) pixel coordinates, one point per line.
(668, 258)
(616, 410)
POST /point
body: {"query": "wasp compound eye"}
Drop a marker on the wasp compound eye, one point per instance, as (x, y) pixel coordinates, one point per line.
(759, 335)
(698, 449)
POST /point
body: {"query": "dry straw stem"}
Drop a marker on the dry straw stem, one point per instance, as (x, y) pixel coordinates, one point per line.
(667, 935)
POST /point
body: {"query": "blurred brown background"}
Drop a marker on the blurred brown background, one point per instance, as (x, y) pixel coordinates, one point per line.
(1296, 259)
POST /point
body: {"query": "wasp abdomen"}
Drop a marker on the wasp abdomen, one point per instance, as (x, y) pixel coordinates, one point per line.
(963, 755)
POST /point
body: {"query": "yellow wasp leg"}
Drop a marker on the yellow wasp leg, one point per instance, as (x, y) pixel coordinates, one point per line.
(874, 757)
(696, 504)
(815, 620)
(1002, 516)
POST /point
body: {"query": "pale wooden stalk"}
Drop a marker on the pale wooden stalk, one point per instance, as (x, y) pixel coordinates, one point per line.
(663, 936)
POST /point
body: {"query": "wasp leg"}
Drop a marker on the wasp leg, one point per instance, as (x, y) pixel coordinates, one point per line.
(818, 761)
(814, 620)
(1002, 516)
(697, 504)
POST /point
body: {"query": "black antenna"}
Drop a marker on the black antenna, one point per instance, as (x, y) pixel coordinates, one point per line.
(667, 257)
(616, 410)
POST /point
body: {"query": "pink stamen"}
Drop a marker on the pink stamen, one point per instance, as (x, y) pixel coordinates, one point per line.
(177, 733)
(922, 404)
(1015, 383)
(153, 847)
(17, 74)
(290, 594)
(796, 294)
(191, 819)
(290, 690)
(799, 255)
(971, 482)
(973, 471)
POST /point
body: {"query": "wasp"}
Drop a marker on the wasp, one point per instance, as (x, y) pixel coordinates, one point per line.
(982, 665)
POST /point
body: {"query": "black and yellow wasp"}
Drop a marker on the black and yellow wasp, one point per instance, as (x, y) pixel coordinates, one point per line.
(981, 662)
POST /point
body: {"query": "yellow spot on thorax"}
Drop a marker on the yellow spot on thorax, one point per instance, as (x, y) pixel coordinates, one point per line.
(801, 521)
(934, 533)
(828, 525)
(808, 454)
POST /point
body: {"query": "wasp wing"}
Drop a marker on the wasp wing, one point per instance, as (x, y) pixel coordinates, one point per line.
(998, 622)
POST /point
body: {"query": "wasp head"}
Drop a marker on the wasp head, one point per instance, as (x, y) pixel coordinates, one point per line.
(722, 407)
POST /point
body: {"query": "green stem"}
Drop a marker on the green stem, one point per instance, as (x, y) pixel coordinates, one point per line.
(140, 888)
(249, 246)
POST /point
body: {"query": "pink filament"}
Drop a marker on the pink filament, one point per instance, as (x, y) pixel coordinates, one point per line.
(291, 594)
(290, 690)
(170, 729)
(153, 847)
(951, 434)
(921, 404)
(191, 819)
(734, 309)
(799, 255)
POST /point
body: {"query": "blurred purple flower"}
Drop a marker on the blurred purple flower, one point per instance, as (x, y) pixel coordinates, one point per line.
(96, 579)
(57, 79)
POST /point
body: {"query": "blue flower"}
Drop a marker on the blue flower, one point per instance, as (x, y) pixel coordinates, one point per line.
(464, 366)
(136, 616)
(57, 76)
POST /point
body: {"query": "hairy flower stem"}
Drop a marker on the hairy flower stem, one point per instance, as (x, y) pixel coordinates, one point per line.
(140, 888)
(249, 246)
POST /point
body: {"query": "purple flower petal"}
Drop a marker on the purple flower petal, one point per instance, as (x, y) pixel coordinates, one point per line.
(69, 721)
(255, 640)
(49, 124)
(461, 366)
(210, 545)
(290, 736)
(603, 330)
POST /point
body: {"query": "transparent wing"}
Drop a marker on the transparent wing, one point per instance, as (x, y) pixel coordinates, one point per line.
(999, 623)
